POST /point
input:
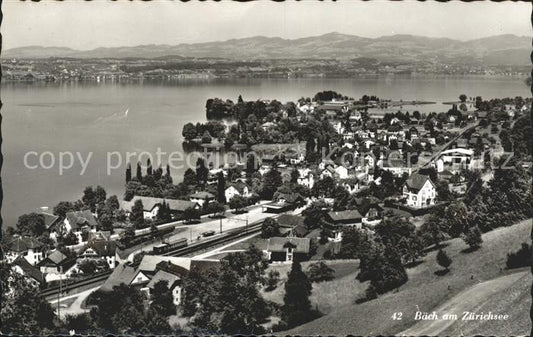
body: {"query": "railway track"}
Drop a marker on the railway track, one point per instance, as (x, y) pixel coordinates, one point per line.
(68, 287)
(200, 246)
(232, 235)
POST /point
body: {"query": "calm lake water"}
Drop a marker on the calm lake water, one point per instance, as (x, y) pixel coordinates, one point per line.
(91, 118)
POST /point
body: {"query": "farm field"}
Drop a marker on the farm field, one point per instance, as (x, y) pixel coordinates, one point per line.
(426, 291)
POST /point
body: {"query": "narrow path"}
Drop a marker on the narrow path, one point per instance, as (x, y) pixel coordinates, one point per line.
(75, 308)
(467, 300)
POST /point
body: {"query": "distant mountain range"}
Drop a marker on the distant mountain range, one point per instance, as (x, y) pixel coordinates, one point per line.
(502, 49)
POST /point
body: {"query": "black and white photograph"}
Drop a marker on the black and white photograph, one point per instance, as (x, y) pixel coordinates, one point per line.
(296, 168)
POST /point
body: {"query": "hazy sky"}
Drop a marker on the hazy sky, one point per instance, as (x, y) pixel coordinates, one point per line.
(99, 23)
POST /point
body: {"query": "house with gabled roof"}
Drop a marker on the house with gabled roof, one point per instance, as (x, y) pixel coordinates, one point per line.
(50, 220)
(396, 166)
(99, 250)
(151, 205)
(419, 191)
(287, 249)
(57, 265)
(237, 188)
(23, 267)
(79, 222)
(202, 197)
(154, 268)
(337, 220)
(24, 246)
(295, 224)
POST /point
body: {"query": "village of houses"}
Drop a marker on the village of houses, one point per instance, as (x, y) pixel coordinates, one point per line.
(445, 147)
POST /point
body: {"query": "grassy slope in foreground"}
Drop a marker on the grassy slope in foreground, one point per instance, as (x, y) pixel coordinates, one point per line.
(514, 301)
(427, 290)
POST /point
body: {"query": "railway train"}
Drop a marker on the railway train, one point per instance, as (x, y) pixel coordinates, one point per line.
(166, 247)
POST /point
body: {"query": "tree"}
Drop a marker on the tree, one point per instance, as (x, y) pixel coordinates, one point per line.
(201, 172)
(156, 323)
(70, 239)
(162, 299)
(434, 230)
(100, 196)
(128, 236)
(106, 221)
(149, 170)
(63, 207)
(314, 214)
(271, 181)
(189, 177)
(216, 208)
(399, 233)
(120, 310)
(320, 272)
(221, 188)
(272, 280)
(294, 176)
(163, 213)
(462, 98)
(226, 300)
(24, 311)
(238, 202)
(139, 173)
(128, 173)
(473, 237)
(89, 198)
(88, 267)
(269, 228)
(80, 324)
(191, 214)
(137, 213)
(296, 304)
(112, 204)
(443, 259)
(31, 224)
(189, 131)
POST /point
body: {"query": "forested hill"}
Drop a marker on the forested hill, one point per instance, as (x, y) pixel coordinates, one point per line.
(501, 49)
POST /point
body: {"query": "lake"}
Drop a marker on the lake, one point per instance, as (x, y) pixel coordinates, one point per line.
(98, 118)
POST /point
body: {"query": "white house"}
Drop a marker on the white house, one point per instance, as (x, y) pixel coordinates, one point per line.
(29, 248)
(327, 172)
(100, 250)
(201, 197)
(351, 185)
(151, 205)
(342, 172)
(153, 269)
(57, 266)
(456, 159)
(238, 188)
(79, 222)
(306, 178)
(419, 191)
(264, 169)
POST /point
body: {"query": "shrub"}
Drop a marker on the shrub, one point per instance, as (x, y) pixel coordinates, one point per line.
(272, 280)
(320, 272)
(473, 237)
(270, 228)
(520, 258)
(443, 259)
